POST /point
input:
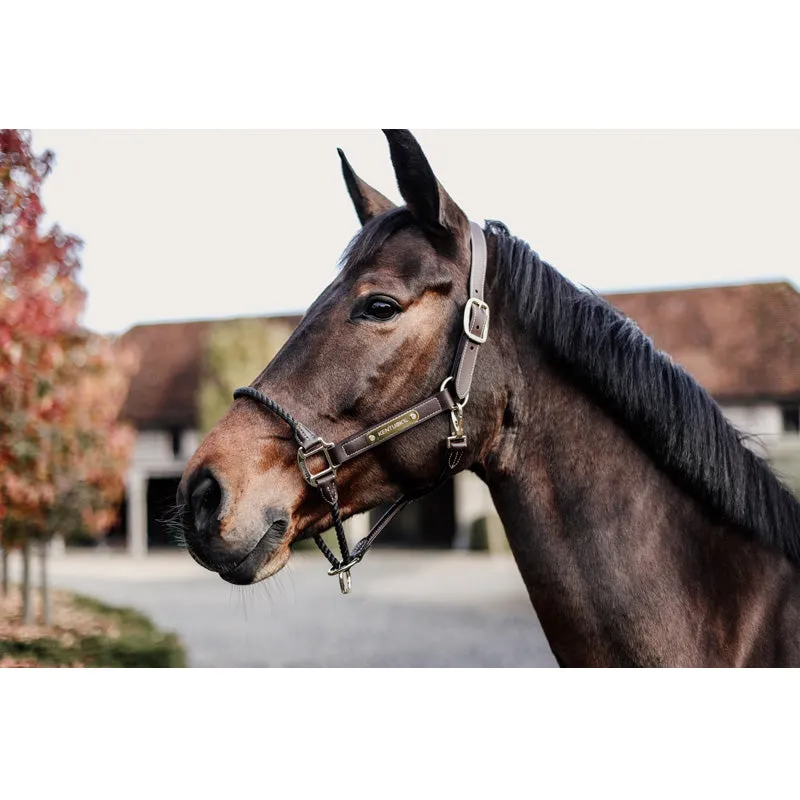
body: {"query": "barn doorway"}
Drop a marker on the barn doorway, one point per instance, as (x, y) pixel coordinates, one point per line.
(160, 504)
(429, 522)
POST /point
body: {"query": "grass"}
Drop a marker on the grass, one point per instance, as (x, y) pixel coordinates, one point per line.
(88, 633)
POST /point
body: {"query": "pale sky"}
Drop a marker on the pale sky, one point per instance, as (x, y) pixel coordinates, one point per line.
(197, 224)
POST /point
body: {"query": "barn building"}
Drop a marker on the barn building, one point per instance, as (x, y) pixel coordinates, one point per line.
(741, 342)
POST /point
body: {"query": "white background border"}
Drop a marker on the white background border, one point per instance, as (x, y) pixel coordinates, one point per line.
(404, 733)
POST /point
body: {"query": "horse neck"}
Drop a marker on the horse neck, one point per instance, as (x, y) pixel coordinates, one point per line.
(621, 565)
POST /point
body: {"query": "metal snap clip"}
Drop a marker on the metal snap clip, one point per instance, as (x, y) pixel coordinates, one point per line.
(457, 440)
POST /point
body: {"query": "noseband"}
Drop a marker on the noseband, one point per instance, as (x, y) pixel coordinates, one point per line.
(452, 396)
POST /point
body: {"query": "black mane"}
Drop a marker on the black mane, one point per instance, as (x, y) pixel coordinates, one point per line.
(672, 417)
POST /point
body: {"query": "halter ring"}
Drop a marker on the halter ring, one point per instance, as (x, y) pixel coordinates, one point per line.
(463, 405)
(345, 567)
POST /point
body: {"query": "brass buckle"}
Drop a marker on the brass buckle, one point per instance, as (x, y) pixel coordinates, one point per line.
(479, 338)
(317, 446)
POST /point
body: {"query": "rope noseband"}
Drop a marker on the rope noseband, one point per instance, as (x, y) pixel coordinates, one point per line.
(452, 396)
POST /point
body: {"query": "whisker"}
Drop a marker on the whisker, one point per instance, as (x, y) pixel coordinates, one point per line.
(174, 520)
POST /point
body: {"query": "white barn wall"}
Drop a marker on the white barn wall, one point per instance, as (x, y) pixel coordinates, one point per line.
(152, 458)
(762, 421)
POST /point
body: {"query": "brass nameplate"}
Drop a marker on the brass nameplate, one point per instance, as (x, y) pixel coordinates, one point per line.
(393, 427)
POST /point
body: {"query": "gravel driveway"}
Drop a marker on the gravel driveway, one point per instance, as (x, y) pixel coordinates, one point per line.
(407, 609)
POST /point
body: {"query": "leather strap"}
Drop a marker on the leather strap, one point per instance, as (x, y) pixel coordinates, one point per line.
(476, 317)
(390, 513)
(387, 429)
(378, 528)
(477, 272)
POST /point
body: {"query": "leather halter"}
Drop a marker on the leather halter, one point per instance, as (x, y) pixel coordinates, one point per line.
(452, 396)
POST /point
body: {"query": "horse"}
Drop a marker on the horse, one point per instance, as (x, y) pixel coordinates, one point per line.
(645, 530)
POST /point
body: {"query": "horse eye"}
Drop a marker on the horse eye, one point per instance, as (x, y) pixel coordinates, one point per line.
(381, 309)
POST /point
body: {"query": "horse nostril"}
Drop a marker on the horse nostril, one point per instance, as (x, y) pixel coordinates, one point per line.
(205, 501)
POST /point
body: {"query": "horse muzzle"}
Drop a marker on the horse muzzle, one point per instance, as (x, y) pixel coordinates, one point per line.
(239, 554)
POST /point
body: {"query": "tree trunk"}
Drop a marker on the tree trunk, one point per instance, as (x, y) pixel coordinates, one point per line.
(43, 549)
(5, 572)
(27, 593)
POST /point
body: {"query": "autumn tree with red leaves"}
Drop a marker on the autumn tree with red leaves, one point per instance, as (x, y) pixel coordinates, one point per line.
(63, 451)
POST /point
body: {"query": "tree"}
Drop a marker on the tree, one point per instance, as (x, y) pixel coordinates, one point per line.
(234, 353)
(62, 451)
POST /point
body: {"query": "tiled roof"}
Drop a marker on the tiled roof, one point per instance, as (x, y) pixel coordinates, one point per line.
(739, 342)
(164, 390)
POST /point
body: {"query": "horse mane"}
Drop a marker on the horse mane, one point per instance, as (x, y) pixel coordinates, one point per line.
(671, 416)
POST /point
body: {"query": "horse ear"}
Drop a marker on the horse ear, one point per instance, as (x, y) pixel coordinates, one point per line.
(369, 202)
(426, 198)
